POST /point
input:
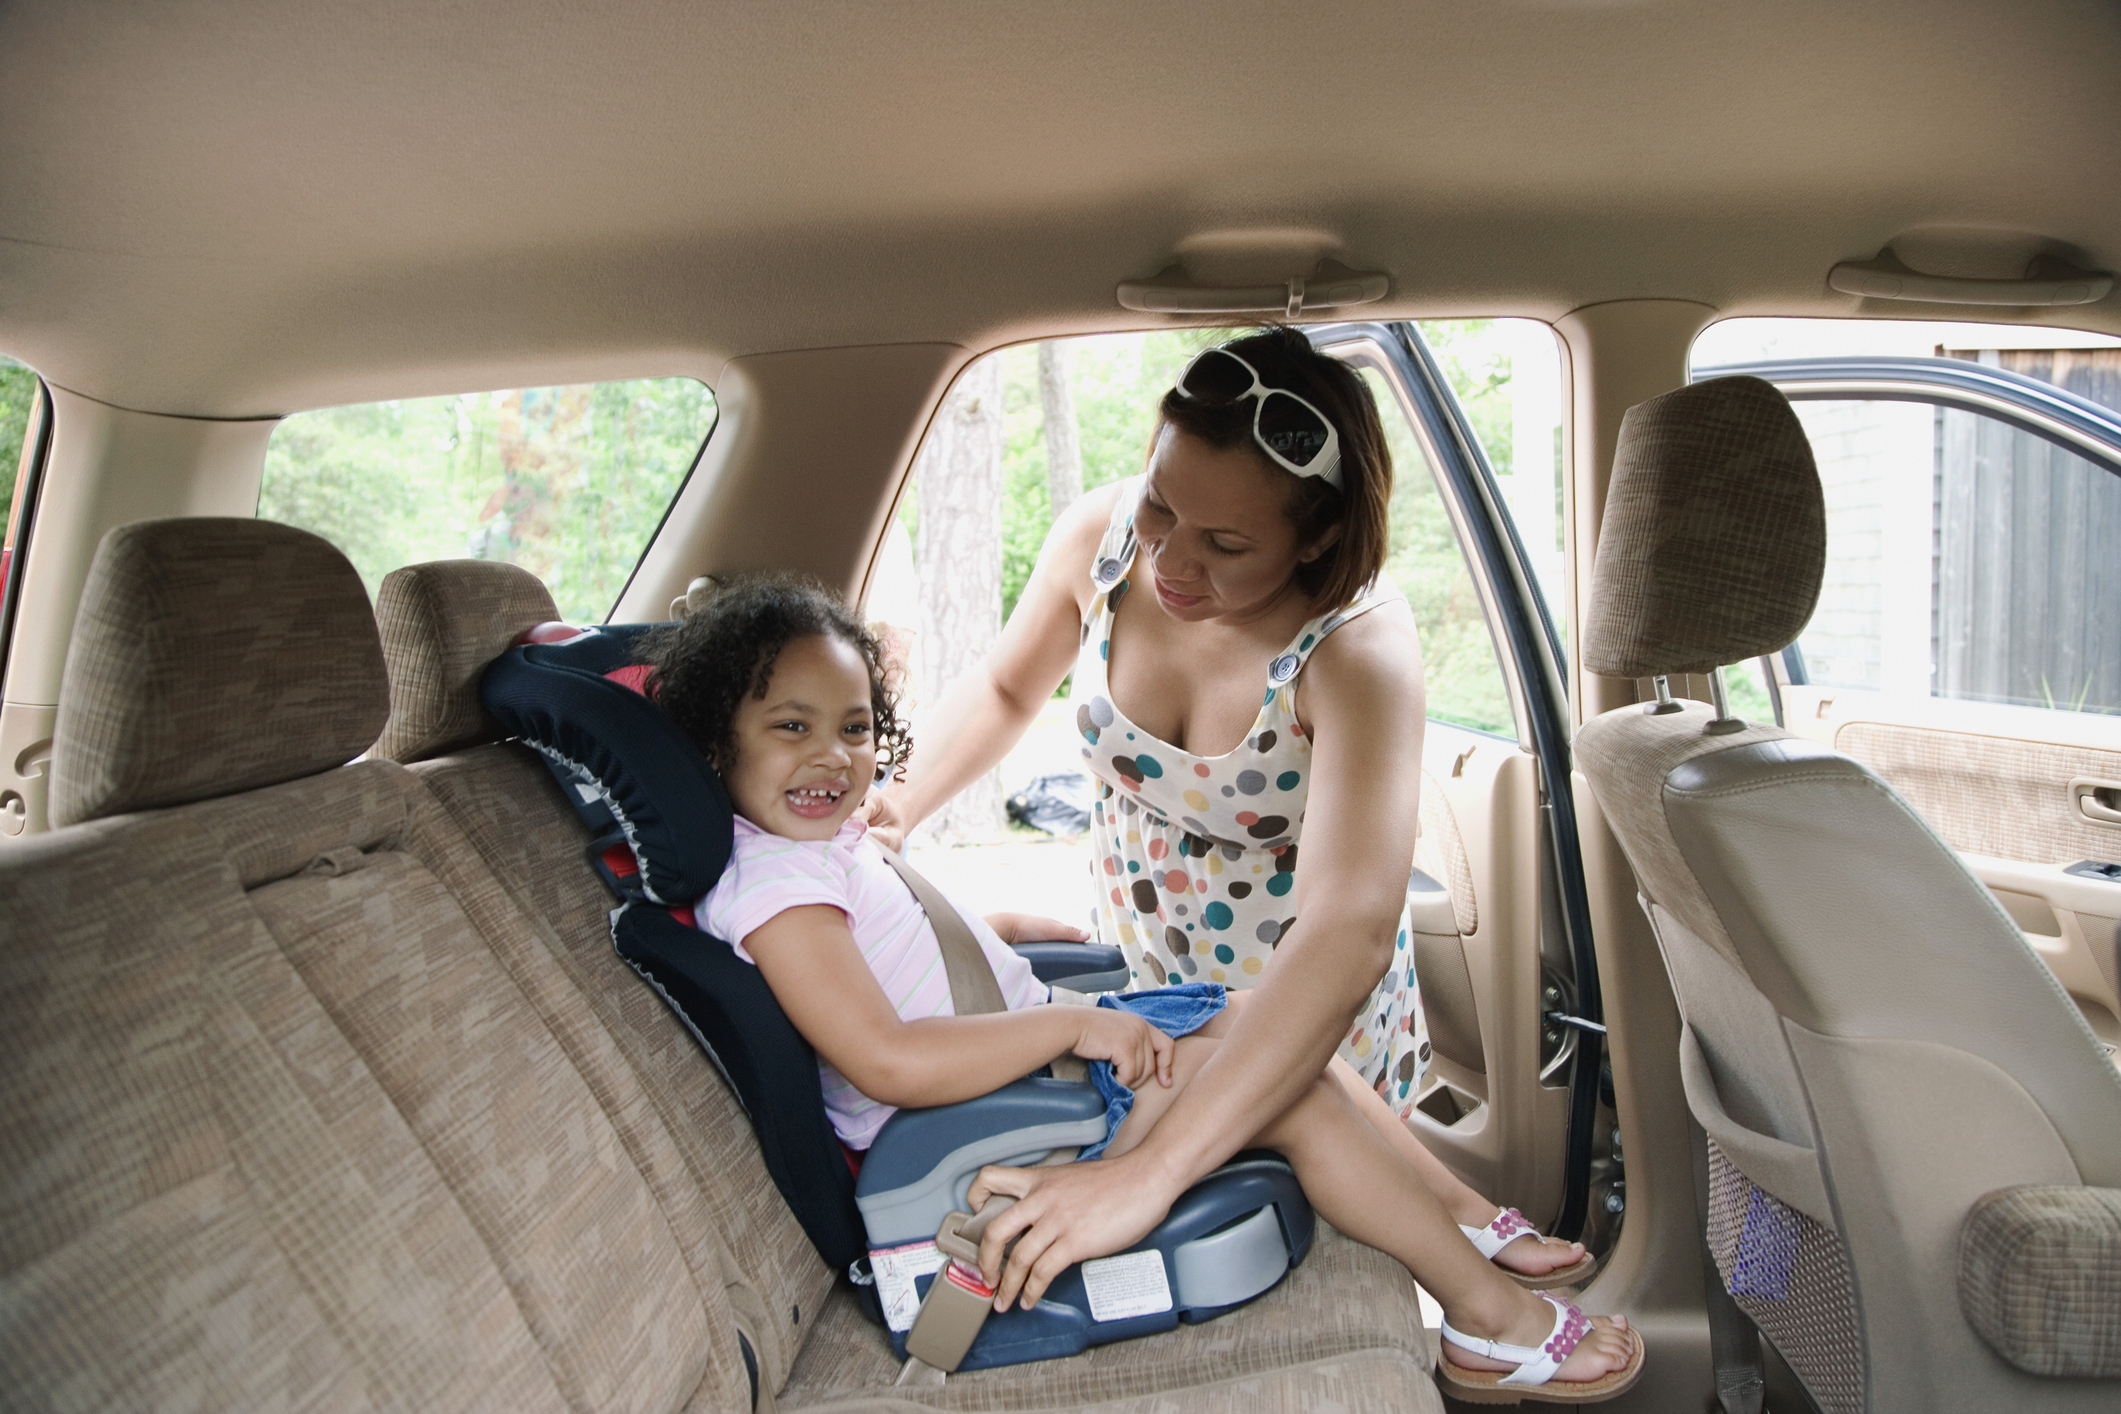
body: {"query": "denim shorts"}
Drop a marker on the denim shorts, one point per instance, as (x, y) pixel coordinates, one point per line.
(1175, 1011)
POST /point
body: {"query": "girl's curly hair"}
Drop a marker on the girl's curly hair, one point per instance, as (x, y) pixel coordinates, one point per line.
(704, 666)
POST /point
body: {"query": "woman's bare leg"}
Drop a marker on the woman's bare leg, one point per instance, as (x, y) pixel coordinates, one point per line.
(1532, 1255)
(1359, 1182)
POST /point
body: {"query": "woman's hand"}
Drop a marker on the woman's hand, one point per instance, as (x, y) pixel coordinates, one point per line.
(1065, 1215)
(1135, 1049)
(885, 823)
(1034, 928)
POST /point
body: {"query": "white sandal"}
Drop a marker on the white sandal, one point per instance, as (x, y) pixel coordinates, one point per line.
(1536, 1364)
(1509, 1225)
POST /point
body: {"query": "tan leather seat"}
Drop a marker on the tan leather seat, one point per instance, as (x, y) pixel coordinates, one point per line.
(1868, 1042)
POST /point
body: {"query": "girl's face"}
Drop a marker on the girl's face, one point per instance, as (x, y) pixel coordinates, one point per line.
(1214, 531)
(806, 751)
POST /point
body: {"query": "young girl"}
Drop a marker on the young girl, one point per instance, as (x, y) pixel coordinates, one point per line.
(784, 692)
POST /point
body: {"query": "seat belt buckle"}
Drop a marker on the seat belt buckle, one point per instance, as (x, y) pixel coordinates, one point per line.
(959, 1301)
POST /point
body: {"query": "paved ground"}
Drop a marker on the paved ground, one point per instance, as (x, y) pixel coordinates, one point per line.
(1020, 870)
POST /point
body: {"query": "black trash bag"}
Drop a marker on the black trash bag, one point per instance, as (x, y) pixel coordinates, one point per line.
(1058, 804)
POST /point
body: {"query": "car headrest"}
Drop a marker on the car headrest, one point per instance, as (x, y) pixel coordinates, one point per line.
(442, 623)
(212, 655)
(1714, 540)
(628, 770)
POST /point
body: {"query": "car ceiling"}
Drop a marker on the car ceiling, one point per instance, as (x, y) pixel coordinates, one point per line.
(230, 209)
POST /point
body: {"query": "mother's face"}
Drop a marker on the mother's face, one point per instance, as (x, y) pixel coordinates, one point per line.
(1215, 531)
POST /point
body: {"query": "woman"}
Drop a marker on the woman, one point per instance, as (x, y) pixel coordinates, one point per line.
(1248, 690)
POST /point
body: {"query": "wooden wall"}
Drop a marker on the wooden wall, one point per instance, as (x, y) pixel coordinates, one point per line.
(2028, 551)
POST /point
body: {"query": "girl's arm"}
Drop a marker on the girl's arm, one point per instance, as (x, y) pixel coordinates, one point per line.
(1364, 703)
(985, 712)
(810, 959)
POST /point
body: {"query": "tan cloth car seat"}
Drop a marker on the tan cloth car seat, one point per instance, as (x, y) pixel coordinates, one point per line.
(1868, 1042)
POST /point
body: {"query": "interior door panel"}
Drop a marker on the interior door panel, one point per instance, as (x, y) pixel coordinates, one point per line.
(2016, 808)
(1485, 1108)
(1970, 515)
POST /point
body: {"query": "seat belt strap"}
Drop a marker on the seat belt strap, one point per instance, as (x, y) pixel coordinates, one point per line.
(958, 1301)
(1734, 1341)
(973, 990)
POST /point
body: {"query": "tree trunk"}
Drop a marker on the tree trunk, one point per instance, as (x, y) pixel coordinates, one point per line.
(958, 558)
(1064, 449)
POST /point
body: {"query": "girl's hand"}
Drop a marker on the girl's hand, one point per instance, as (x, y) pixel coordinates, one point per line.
(1032, 927)
(886, 825)
(1136, 1049)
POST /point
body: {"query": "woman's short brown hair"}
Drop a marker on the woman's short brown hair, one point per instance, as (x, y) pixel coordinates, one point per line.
(1361, 507)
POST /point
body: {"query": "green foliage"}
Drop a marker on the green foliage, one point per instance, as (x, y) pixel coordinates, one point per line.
(1481, 378)
(1464, 679)
(18, 389)
(568, 482)
(1117, 379)
(1748, 693)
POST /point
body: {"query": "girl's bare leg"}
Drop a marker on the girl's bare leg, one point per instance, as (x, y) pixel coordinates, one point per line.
(1357, 1180)
(1532, 1255)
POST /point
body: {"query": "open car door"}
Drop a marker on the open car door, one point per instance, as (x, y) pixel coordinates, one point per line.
(1512, 1099)
(1967, 644)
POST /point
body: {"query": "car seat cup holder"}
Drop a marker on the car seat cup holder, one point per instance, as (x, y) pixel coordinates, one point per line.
(1228, 1239)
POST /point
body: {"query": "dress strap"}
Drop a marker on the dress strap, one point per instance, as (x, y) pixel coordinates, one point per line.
(1379, 592)
(1115, 553)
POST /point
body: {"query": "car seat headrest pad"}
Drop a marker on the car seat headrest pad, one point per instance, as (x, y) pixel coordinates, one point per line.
(1713, 546)
(578, 703)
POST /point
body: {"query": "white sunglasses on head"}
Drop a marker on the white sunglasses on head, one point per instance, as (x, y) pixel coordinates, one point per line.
(1293, 433)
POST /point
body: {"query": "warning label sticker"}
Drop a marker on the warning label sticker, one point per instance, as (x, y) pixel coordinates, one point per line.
(1132, 1284)
(896, 1268)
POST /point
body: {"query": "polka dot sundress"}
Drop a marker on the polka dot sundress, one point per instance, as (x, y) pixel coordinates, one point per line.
(1195, 856)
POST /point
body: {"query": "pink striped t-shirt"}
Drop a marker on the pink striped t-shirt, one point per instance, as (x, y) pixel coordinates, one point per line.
(769, 874)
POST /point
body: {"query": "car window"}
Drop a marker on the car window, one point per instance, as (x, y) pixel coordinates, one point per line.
(569, 482)
(1507, 376)
(19, 397)
(1027, 428)
(1461, 673)
(1967, 557)
(1021, 432)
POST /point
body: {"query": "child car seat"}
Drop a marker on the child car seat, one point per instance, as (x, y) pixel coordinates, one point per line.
(661, 836)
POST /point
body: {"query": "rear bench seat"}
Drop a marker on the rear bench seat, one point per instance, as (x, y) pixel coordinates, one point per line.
(321, 1087)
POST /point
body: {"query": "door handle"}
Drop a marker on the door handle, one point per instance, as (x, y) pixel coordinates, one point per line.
(2097, 800)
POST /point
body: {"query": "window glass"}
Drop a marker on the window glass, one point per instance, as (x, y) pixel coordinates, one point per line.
(1966, 558)
(1024, 430)
(568, 482)
(18, 393)
(1507, 375)
(1460, 670)
(19, 419)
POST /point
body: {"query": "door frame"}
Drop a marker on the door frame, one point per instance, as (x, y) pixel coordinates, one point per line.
(1538, 685)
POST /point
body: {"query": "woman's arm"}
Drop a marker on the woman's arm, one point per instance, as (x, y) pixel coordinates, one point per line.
(810, 959)
(1363, 695)
(984, 713)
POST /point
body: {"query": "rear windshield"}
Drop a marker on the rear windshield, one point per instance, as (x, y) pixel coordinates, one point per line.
(569, 482)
